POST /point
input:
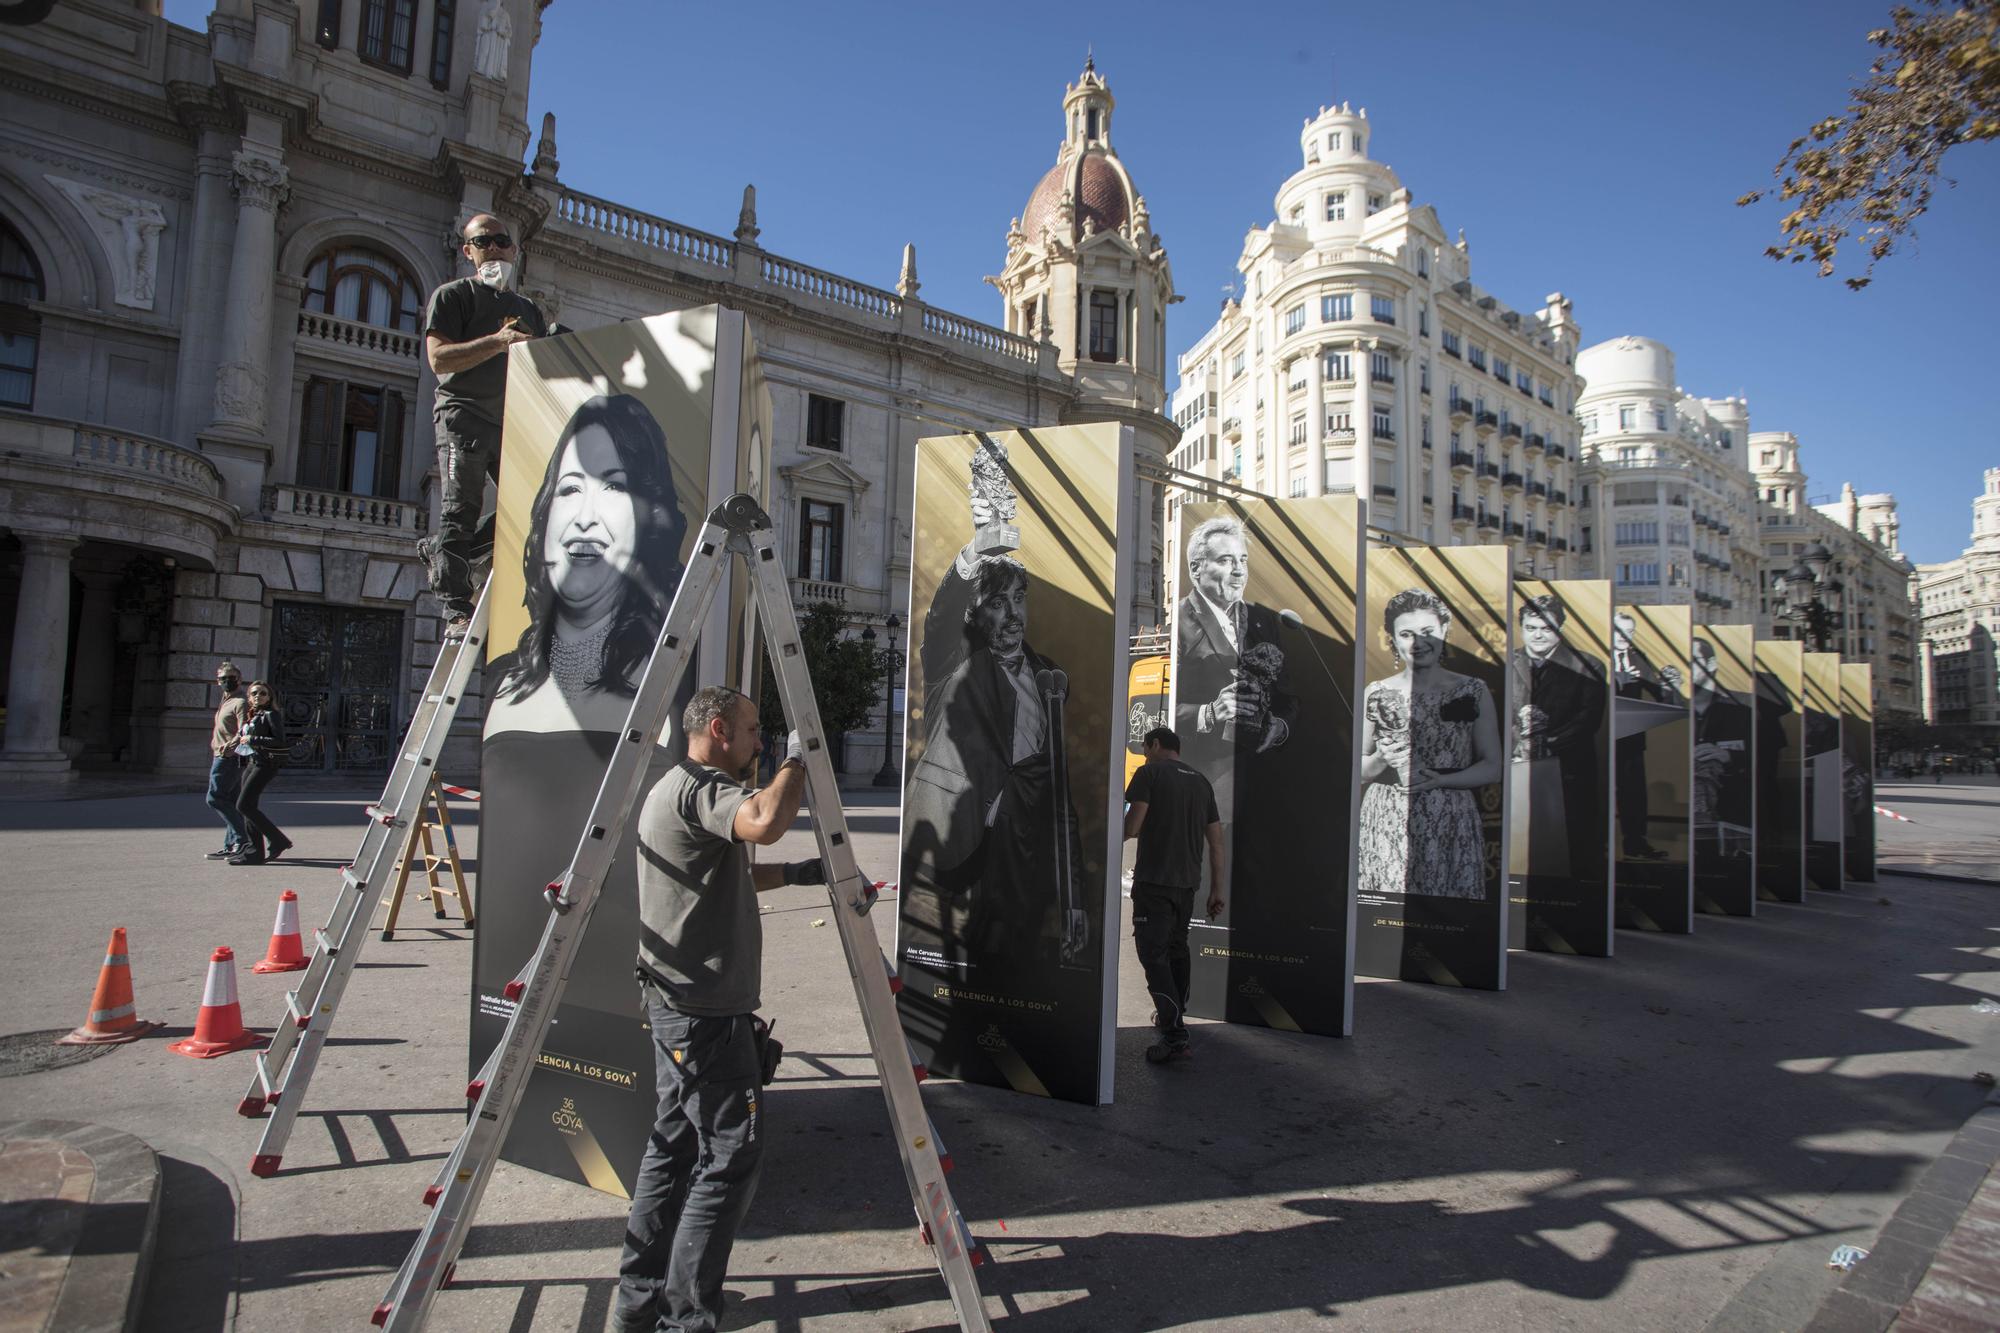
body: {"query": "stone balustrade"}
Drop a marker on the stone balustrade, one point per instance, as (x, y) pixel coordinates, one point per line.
(594, 214)
(339, 510)
(353, 335)
(154, 460)
(956, 328)
(807, 281)
(807, 591)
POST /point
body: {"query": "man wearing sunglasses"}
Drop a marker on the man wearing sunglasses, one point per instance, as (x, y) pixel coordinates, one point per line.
(468, 327)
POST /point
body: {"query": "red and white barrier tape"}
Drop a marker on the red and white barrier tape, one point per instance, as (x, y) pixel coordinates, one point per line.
(1885, 810)
(467, 792)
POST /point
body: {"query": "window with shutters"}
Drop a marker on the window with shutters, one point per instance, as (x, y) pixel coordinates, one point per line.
(351, 439)
(821, 529)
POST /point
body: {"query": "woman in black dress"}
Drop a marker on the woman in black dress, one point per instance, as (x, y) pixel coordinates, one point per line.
(262, 745)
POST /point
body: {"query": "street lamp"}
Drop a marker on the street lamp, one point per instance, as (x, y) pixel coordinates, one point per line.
(887, 776)
(1811, 600)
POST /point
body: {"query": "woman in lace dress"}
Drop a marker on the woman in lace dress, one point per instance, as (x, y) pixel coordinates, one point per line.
(1429, 736)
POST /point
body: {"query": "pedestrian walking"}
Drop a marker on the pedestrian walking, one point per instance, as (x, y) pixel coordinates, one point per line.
(1170, 808)
(700, 976)
(262, 749)
(223, 765)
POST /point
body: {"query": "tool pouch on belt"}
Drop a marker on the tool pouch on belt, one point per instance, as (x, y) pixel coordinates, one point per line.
(769, 1050)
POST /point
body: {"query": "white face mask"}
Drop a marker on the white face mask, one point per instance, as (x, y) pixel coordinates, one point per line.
(497, 274)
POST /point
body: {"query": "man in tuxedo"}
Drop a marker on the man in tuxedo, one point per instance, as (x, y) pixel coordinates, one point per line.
(1559, 698)
(1634, 677)
(981, 808)
(1224, 712)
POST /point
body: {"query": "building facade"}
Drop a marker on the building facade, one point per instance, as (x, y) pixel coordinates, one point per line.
(215, 433)
(1361, 357)
(1668, 509)
(1874, 621)
(1959, 601)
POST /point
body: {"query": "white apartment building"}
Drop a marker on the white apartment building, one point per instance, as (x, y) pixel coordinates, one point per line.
(215, 424)
(1360, 356)
(1874, 619)
(1666, 506)
(1960, 604)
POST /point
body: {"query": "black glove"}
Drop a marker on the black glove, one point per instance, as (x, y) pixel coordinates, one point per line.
(805, 872)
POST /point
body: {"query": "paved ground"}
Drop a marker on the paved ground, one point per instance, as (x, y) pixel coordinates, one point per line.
(1677, 1136)
(1953, 828)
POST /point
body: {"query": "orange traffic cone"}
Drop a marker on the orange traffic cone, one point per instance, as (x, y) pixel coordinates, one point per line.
(287, 952)
(111, 1008)
(218, 1028)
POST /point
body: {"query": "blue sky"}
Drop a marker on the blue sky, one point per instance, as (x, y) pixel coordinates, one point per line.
(1587, 148)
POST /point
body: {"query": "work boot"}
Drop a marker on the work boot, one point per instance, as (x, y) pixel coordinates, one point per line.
(1166, 1052)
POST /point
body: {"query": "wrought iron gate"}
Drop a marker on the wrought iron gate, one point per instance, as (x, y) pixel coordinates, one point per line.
(336, 670)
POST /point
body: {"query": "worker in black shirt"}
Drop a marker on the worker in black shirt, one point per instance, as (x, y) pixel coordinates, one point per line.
(468, 327)
(1170, 808)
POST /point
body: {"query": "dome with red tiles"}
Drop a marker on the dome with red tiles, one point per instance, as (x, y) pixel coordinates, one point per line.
(1101, 196)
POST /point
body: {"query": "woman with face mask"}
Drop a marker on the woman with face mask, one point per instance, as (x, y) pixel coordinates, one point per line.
(1429, 737)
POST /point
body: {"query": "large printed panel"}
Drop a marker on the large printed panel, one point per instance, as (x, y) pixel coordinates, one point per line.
(1559, 705)
(1781, 701)
(1725, 769)
(1655, 766)
(1826, 809)
(604, 478)
(1857, 745)
(1265, 676)
(1432, 890)
(1008, 916)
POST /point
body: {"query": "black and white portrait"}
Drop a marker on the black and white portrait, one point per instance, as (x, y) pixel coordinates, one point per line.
(1557, 704)
(993, 866)
(1430, 737)
(1635, 677)
(1723, 763)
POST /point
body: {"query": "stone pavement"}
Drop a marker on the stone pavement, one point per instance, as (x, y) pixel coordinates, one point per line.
(1671, 1139)
(1953, 828)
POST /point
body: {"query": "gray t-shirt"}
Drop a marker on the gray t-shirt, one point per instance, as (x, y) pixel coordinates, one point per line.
(462, 310)
(1180, 805)
(701, 939)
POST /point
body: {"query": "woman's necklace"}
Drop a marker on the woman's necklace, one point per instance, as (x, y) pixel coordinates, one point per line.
(577, 663)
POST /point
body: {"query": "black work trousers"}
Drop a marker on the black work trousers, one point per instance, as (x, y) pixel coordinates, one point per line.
(1160, 916)
(698, 1174)
(468, 453)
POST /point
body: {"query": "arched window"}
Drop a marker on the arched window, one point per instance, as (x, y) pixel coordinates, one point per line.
(353, 282)
(20, 326)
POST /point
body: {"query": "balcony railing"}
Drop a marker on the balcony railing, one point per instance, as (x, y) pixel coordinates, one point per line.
(1489, 469)
(1382, 376)
(830, 287)
(154, 460)
(1385, 491)
(956, 328)
(1561, 543)
(807, 591)
(1461, 407)
(1510, 481)
(1487, 420)
(343, 512)
(1461, 513)
(1515, 529)
(1512, 430)
(352, 335)
(1537, 537)
(1557, 452)
(1558, 497)
(1534, 442)
(1454, 352)
(1538, 488)
(1488, 521)
(1461, 461)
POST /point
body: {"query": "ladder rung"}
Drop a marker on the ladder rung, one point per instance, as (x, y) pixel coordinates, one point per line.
(323, 944)
(292, 1011)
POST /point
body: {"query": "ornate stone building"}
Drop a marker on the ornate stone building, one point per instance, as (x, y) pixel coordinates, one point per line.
(1360, 356)
(1669, 512)
(214, 408)
(1959, 601)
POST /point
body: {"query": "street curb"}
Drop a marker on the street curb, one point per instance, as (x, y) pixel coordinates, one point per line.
(104, 1286)
(1937, 875)
(1871, 1296)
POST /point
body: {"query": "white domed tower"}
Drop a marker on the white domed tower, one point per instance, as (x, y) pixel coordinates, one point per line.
(1086, 271)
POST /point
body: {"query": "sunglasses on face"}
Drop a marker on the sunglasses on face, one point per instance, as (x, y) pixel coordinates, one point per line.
(498, 240)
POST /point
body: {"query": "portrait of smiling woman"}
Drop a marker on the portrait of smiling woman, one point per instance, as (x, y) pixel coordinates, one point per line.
(1429, 737)
(600, 563)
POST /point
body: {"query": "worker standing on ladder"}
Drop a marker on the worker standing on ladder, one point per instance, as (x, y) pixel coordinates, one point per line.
(700, 972)
(468, 327)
